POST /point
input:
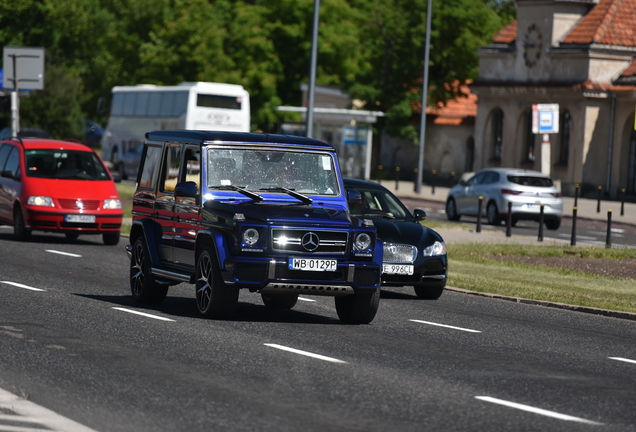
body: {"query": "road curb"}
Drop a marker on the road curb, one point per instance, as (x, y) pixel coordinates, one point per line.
(584, 309)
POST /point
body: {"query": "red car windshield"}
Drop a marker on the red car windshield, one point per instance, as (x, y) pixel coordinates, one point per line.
(64, 164)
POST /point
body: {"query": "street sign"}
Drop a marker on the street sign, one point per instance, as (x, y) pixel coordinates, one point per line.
(352, 135)
(545, 118)
(23, 68)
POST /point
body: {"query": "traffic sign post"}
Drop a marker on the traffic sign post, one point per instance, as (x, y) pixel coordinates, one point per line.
(545, 120)
(23, 68)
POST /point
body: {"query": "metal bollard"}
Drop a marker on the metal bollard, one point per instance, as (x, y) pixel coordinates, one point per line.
(509, 220)
(598, 204)
(415, 170)
(576, 195)
(379, 173)
(433, 186)
(479, 207)
(623, 202)
(540, 238)
(397, 178)
(573, 239)
(608, 238)
(453, 178)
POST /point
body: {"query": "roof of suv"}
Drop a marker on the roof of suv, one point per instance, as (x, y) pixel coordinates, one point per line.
(199, 137)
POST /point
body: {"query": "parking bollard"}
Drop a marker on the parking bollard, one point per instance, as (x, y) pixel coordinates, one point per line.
(608, 238)
(379, 173)
(397, 178)
(479, 207)
(453, 178)
(623, 202)
(576, 195)
(415, 170)
(540, 238)
(433, 187)
(598, 204)
(509, 220)
(573, 238)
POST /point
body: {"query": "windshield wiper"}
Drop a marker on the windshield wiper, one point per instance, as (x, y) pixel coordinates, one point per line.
(301, 197)
(247, 193)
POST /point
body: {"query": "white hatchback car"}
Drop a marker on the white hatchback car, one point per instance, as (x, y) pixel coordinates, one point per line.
(526, 190)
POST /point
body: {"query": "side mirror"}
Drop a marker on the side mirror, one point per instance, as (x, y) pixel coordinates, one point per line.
(463, 182)
(7, 174)
(187, 189)
(419, 214)
(353, 196)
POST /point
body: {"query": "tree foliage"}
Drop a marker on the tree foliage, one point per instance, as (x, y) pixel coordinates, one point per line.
(371, 48)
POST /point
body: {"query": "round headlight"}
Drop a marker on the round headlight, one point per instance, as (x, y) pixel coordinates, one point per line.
(437, 248)
(250, 236)
(363, 241)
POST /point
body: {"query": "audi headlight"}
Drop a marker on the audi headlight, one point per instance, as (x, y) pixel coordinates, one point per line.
(437, 248)
(112, 204)
(41, 201)
(250, 236)
(362, 241)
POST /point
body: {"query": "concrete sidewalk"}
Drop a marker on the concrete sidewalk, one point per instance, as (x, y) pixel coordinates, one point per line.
(586, 208)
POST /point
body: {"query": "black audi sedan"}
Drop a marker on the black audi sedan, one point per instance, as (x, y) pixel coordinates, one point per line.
(414, 255)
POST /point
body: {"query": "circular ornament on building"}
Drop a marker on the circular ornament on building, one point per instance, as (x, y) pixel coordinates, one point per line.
(532, 45)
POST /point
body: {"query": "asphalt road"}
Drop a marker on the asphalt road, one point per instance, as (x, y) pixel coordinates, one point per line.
(78, 355)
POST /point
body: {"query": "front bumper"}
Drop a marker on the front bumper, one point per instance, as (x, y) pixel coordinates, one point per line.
(427, 271)
(55, 221)
(273, 275)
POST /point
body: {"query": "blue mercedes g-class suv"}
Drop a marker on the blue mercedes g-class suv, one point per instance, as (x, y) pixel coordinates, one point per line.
(268, 213)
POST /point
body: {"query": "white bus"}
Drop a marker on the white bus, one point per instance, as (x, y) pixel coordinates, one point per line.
(136, 110)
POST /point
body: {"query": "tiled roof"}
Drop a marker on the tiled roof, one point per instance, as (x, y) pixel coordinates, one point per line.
(611, 22)
(631, 69)
(459, 110)
(508, 34)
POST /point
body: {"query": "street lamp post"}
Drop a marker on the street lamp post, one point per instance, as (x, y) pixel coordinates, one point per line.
(420, 158)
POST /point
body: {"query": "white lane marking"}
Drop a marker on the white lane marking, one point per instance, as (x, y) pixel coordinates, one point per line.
(447, 326)
(39, 418)
(534, 410)
(21, 286)
(623, 359)
(305, 353)
(306, 299)
(63, 253)
(143, 314)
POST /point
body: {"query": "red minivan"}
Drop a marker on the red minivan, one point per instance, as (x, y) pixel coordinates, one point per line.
(57, 186)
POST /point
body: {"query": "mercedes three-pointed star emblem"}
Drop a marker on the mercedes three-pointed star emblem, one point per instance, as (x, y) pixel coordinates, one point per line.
(310, 241)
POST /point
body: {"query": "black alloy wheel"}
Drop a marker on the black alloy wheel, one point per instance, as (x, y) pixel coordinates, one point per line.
(20, 231)
(428, 293)
(451, 210)
(359, 308)
(143, 286)
(492, 213)
(214, 298)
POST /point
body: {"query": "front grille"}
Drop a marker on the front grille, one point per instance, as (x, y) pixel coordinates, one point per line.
(366, 277)
(111, 226)
(72, 203)
(399, 253)
(309, 241)
(78, 225)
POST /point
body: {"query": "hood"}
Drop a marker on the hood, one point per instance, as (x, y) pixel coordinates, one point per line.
(268, 212)
(73, 189)
(405, 232)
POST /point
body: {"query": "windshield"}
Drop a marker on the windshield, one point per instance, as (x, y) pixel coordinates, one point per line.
(64, 164)
(379, 203)
(269, 170)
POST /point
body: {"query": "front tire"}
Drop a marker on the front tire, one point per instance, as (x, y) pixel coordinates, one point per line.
(279, 301)
(492, 213)
(214, 298)
(111, 238)
(20, 231)
(451, 210)
(143, 286)
(553, 224)
(428, 293)
(359, 308)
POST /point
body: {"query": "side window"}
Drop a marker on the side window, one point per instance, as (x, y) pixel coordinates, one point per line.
(192, 167)
(171, 165)
(13, 162)
(151, 166)
(478, 179)
(4, 153)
